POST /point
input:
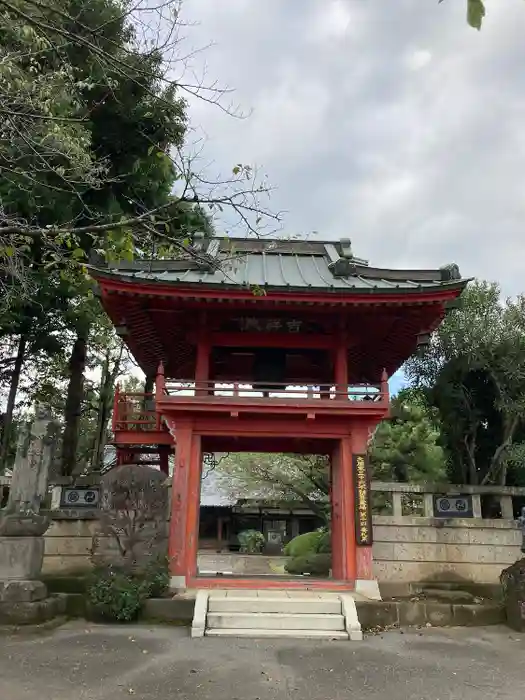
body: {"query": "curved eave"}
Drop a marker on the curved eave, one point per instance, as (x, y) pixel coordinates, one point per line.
(111, 283)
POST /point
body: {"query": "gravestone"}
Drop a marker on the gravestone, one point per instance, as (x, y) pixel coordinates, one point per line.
(23, 598)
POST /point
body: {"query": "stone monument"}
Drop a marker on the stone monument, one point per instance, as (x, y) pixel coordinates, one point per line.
(23, 598)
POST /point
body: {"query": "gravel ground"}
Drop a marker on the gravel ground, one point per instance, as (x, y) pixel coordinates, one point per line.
(81, 661)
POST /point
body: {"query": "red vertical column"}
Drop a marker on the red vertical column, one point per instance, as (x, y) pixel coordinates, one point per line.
(343, 528)
(185, 493)
(359, 442)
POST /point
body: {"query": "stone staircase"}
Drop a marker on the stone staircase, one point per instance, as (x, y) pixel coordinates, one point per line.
(273, 614)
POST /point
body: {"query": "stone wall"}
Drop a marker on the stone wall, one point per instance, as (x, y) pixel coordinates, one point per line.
(68, 542)
(411, 549)
(407, 548)
(418, 549)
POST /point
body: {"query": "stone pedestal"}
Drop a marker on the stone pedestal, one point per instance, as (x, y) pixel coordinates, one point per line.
(24, 599)
(20, 558)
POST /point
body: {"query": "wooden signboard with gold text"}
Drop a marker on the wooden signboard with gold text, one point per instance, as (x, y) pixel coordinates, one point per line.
(363, 513)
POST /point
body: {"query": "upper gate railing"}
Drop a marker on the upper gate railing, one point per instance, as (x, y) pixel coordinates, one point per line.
(271, 391)
(138, 411)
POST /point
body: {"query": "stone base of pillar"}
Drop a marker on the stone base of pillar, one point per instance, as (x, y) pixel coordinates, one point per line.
(21, 558)
(23, 599)
(32, 612)
(368, 588)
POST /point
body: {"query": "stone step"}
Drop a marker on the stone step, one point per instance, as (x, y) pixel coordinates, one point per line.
(306, 606)
(448, 596)
(275, 621)
(277, 633)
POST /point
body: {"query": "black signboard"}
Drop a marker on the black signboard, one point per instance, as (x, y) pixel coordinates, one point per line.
(453, 507)
(363, 513)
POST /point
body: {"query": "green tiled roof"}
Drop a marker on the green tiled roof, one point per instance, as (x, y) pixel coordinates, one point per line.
(281, 264)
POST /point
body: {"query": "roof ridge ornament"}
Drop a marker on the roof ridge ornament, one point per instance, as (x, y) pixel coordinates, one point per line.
(450, 272)
(346, 248)
(343, 263)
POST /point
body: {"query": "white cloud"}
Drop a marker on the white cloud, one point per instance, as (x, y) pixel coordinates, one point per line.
(418, 58)
(391, 122)
(331, 21)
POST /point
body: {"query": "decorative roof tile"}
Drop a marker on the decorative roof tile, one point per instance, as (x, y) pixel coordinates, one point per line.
(285, 264)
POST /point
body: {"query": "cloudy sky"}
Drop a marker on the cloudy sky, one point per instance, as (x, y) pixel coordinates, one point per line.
(387, 121)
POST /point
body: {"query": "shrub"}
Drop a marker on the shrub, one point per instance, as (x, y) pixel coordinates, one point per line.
(303, 544)
(324, 544)
(251, 541)
(115, 594)
(314, 564)
(157, 577)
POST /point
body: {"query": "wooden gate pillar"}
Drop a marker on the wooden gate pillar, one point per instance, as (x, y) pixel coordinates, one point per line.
(185, 496)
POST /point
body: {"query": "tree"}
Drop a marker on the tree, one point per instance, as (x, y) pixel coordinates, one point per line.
(91, 137)
(474, 373)
(405, 447)
(277, 477)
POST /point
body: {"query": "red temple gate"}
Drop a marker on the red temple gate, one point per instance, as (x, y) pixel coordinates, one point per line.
(268, 346)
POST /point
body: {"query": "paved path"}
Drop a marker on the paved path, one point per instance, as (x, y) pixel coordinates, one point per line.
(88, 662)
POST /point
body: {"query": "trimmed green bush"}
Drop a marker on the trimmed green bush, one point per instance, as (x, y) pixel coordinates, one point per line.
(303, 544)
(313, 564)
(117, 595)
(317, 542)
(324, 544)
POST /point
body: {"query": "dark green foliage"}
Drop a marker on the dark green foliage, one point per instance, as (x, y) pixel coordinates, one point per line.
(157, 574)
(473, 373)
(313, 564)
(405, 447)
(114, 594)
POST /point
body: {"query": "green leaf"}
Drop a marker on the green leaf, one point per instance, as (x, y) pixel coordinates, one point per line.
(475, 13)
(151, 149)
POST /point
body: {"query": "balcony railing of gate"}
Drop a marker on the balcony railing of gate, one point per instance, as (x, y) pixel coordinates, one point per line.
(135, 412)
(273, 391)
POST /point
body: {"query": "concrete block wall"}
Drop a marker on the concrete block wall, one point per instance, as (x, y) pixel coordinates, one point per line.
(68, 543)
(406, 549)
(411, 549)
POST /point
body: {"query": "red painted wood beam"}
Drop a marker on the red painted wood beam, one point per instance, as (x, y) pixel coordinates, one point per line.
(331, 298)
(300, 341)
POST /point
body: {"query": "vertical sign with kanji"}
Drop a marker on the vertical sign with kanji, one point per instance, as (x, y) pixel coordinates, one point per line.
(363, 514)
